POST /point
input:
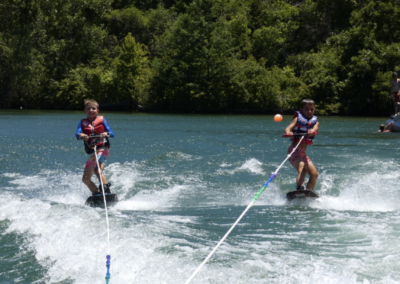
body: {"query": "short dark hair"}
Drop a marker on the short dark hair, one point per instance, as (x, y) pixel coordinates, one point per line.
(306, 102)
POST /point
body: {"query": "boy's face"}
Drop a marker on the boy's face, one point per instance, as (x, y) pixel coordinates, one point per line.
(91, 111)
(308, 110)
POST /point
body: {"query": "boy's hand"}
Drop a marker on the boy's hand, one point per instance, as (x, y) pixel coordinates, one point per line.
(312, 133)
(104, 134)
(83, 136)
(288, 134)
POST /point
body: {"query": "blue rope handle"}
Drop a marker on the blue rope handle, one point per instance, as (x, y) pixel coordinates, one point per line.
(273, 175)
(108, 276)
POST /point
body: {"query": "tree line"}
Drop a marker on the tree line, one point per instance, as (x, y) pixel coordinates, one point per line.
(200, 56)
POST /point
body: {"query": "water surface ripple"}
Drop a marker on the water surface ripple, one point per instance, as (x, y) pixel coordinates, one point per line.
(183, 180)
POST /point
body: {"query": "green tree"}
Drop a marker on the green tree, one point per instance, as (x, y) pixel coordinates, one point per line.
(318, 20)
(132, 71)
(319, 72)
(276, 24)
(124, 78)
(47, 39)
(347, 73)
(197, 58)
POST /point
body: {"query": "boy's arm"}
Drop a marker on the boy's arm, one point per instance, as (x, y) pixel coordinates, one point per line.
(388, 127)
(108, 128)
(79, 133)
(314, 129)
(79, 130)
(289, 129)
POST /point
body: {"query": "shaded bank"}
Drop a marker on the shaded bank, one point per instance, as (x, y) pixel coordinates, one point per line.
(200, 56)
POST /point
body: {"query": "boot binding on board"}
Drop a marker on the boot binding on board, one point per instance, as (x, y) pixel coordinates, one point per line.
(106, 188)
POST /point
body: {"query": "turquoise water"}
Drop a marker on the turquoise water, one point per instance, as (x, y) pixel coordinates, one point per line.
(183, 180)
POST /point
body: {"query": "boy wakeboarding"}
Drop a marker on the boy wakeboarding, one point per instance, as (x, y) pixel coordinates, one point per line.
(95, 125)
(304, 121)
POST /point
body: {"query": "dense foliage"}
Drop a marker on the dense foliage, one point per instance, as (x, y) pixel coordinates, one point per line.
(203, 55)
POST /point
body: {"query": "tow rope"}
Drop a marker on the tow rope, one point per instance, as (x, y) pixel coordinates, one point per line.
(108, 257)
(273, 175)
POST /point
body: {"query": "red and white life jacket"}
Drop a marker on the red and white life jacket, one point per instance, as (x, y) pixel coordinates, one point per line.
(95, 127)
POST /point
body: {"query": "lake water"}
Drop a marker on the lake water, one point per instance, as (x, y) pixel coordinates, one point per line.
(183, 180)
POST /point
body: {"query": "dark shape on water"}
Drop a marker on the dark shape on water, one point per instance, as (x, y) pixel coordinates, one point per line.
(301, 194)
(98, 200)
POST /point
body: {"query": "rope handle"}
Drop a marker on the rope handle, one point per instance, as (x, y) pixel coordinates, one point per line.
(93, 136)
(313, 133)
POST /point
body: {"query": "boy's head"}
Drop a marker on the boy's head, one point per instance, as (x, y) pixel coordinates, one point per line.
(382, 127)
(394, 75)
(91, 109)
(307, 108)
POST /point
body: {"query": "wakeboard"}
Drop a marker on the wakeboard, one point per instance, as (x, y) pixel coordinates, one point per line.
(98, 200)
(301, 194)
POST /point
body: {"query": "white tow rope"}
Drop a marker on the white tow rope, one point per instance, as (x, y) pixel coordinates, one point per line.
(104, 199)
(273, 175)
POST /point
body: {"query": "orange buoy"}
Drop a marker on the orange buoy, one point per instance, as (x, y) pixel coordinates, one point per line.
(278, 117)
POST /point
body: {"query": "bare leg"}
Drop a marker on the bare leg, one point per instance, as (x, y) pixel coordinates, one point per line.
(312, 171)
(86, 178)
(103, 177)
(301, 168)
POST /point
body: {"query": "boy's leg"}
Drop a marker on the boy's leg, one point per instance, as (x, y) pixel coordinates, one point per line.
(106, 185)
(86, 178)
(312, 171)
(103, 177)
(301, 168)
(91, 168)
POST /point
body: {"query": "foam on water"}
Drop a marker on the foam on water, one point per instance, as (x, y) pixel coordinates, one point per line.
(166, 224)
(69, 239)
(152, 200)
(252, 165)
(70, 242)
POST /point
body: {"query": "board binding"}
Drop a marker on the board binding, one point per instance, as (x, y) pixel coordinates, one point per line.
(98, 200)
(301, 194)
